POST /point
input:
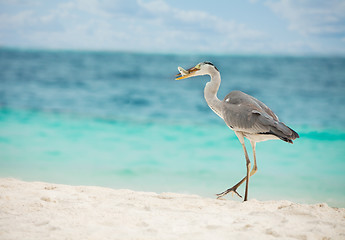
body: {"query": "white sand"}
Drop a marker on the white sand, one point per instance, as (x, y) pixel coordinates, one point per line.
(36, 210)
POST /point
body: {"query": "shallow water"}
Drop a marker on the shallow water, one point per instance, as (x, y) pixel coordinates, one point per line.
(119, 120)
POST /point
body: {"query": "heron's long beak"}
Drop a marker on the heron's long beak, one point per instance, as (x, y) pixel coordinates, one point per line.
(186, 73)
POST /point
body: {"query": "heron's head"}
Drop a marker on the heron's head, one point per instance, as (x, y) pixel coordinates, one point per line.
(204, 68)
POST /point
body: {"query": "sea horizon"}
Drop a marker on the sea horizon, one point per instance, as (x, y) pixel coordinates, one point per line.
(173, 53)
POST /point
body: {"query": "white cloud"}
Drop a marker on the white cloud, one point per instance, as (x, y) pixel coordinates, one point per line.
(198, 30)
(149, 25)
(312, 17)
(20, 19)
(153, 25)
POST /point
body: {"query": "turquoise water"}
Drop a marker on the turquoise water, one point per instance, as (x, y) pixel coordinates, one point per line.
(119, 120)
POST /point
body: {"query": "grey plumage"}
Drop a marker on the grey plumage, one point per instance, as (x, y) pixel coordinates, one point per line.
(242, 112)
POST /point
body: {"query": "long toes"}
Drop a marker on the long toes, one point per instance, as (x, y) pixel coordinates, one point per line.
(219, 195)
(222, 194)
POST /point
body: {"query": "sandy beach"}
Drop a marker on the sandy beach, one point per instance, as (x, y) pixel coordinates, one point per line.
(37, 210)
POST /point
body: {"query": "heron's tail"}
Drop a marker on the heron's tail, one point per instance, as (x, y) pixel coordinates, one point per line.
(284, 132)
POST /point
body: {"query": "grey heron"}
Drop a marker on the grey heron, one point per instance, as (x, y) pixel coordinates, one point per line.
(245, 115)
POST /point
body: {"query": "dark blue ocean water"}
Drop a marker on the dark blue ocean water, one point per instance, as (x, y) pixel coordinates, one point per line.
(120, 120)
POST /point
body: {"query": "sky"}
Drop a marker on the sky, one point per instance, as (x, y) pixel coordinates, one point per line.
(176, 26)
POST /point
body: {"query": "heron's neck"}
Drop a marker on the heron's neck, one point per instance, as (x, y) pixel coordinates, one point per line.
(210, 93)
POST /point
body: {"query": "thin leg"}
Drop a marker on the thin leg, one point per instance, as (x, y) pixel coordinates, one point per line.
(253, 171)
(248, 171)
(255, 167)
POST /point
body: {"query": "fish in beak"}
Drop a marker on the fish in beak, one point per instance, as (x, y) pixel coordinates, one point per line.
(187, 73)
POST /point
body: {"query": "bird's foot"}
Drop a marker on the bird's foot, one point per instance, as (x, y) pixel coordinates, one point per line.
(232, 190)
